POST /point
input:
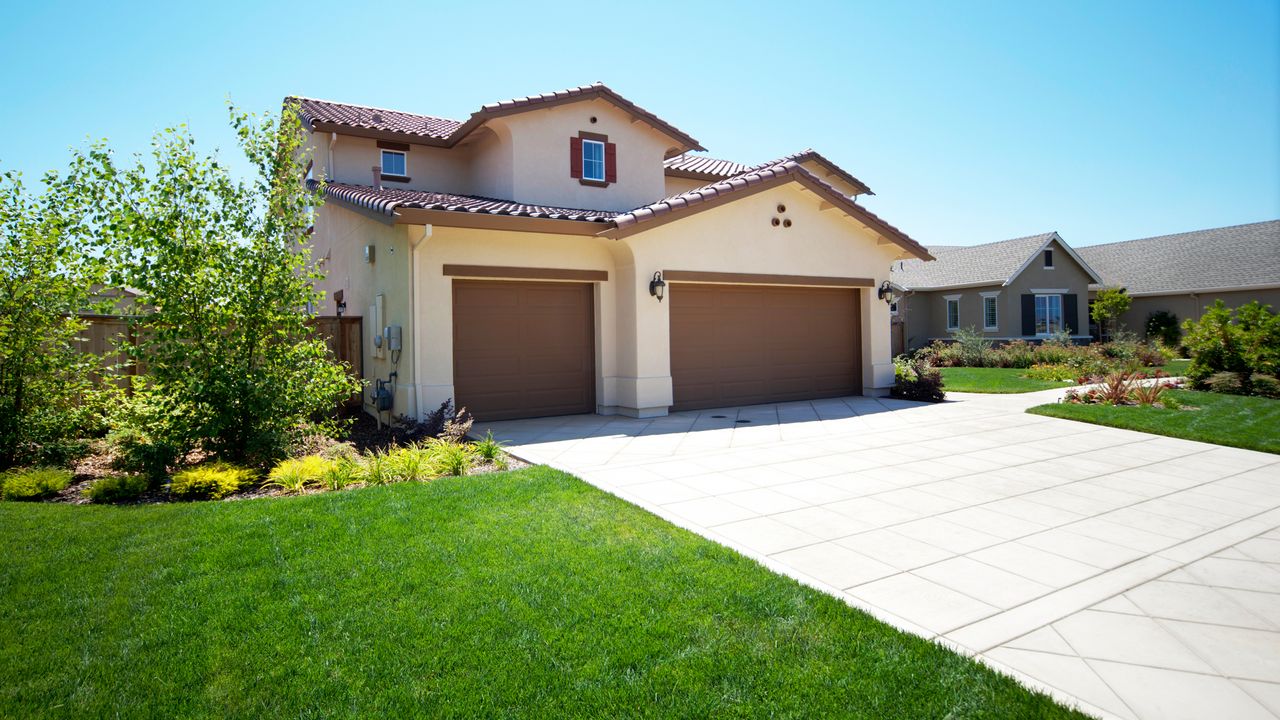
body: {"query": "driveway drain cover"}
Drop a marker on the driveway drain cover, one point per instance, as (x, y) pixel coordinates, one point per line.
(719, 417)
(742, 421)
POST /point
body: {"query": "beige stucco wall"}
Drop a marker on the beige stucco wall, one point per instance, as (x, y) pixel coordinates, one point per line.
(1190, 307)
(677, 185)
(433, 301)
(739, 238)
(927, 311)
(338, 244)
(539, 145)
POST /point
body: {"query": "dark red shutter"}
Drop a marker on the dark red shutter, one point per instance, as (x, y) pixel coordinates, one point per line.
(575, 157)
(610, 162)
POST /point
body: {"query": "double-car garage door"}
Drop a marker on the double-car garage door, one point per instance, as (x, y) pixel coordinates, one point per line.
(750, 344)
(527, 349)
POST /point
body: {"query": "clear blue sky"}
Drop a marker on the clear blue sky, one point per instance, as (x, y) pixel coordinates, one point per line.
(972, 121)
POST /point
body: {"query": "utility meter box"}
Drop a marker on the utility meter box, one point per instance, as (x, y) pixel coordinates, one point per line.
(392, 335)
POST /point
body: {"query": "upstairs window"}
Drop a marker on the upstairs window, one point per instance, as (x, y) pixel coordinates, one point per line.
(1048, 259)
(593, 160)
(394, 163)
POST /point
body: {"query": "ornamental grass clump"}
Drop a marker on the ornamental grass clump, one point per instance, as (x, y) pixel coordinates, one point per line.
(297, 474)
(211, 481)
(34, 484)
(451, 458)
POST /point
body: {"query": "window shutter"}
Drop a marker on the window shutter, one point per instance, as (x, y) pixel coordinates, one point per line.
(575, 157)
(1028, 314)
(611, 162)
(1071, 314)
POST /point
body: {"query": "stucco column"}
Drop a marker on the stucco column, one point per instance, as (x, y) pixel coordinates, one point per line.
(877, 345)
(643, 382)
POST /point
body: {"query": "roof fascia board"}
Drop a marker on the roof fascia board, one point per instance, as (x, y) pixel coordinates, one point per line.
(1202, 291)
(961, 286)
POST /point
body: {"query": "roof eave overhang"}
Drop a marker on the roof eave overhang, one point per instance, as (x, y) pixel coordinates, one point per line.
(392, 214)
(376, 134)
(805, 179)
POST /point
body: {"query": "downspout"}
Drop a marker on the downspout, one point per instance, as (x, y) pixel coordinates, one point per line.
(413, 313)
(328, 168)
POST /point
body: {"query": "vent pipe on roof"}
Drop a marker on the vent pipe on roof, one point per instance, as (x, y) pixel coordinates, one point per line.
(377, 177)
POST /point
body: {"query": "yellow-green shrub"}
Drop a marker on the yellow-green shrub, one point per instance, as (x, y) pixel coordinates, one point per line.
(213, 481)
(33, 484)
(117, 488)
(296, 474)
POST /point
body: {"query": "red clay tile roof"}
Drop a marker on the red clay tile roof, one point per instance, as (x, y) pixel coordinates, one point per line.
(444, 132)
(387, 200)
(701, 167)
(371, 118)
(782, 171)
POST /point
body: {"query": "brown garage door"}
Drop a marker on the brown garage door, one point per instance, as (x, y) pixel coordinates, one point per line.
(523, 349)
(747, 344)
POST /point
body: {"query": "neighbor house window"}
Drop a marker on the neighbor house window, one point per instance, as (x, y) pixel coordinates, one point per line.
(893, 308)
(593, 160)
(394, 163)
(953, 313)
(1048, 314)
(990, 315)
(1048, 259)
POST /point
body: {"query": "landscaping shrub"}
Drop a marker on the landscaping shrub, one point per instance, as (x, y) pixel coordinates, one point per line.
(118, 488)
(296, 474)
(917, 380)
(487, 448)
(34, 483)
(975, 348)
(1265, 385)
(346, 471)
(1244, 341)
(1229, 383)
(410, 464)
(212, 481)
(450, 457)
(1162, 325)
(1108, 306)
(141, 438)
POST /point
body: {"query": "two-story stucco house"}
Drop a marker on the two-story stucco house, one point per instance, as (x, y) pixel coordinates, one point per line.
(1027, 288)
(567, 253)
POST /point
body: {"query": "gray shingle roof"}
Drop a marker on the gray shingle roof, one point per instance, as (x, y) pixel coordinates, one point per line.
(1228, 257)
(992, 263)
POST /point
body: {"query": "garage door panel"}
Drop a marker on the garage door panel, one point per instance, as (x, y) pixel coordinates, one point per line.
(523, 349)
(742, 344)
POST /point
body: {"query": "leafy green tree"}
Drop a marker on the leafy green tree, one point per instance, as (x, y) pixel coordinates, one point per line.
(231, 364)
(1110, 304)
(46, 273)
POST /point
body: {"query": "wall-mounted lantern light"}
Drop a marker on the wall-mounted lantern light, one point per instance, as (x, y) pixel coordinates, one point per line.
(339, 302)
(657, 287)
(887, 293)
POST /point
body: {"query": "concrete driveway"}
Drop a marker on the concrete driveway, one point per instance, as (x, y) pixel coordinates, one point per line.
(1132, 575)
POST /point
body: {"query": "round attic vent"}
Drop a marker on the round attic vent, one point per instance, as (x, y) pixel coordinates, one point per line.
(775, 222)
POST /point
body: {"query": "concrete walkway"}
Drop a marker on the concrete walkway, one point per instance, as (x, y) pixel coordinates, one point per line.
(1131, 575)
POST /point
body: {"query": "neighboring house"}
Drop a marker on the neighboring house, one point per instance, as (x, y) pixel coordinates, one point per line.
(565, 253)
(1025, 288)
(1184, 273)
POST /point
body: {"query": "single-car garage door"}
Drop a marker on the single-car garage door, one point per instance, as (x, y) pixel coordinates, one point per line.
(523, 349)
(749, 344)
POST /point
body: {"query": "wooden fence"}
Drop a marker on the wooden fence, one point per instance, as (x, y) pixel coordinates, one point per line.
(343, 335)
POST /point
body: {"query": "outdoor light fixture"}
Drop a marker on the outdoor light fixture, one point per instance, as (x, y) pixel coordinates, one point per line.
(887, 293)
(657, 287)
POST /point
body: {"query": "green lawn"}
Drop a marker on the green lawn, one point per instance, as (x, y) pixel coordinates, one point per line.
(1247, 422)
(993, 380)
(522, 594)
(1177, 368)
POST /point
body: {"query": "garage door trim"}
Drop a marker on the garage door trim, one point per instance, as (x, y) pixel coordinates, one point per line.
(724, 278)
